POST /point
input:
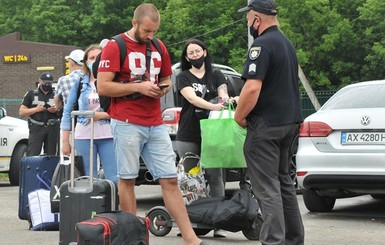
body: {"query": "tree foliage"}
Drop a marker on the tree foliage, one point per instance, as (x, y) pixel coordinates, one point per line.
(216, 23)
(338, 42)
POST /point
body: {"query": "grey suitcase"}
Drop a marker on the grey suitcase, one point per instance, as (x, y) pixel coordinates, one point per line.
(83, 197)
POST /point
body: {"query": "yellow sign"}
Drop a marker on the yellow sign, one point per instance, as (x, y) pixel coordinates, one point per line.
(67, 70)
(17, 58)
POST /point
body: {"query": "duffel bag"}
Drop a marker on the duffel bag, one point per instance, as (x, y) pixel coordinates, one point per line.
(112, 228)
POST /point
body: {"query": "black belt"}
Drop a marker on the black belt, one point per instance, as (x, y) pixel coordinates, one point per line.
(50, 122)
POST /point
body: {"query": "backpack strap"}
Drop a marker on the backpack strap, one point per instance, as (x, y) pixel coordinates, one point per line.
(157, 45)
(79, 91)
(148, 58)
(155, 42)
(122, 50)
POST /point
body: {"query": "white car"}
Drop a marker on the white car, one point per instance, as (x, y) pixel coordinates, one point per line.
(13, 145)
(341, 147)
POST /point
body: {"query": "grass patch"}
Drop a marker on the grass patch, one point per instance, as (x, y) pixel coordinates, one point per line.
(3, 176)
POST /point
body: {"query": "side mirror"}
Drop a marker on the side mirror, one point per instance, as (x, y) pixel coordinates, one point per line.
(3, 112)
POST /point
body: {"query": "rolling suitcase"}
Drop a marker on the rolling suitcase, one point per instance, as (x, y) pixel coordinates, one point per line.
(83, 197)
(32, 166)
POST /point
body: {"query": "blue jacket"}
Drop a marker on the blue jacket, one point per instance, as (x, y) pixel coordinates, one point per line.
(82, 101)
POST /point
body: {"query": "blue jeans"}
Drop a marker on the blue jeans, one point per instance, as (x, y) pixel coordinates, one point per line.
(152, 143)
(105, 149)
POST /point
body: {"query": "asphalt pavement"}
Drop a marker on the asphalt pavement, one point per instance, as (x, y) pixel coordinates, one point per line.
(14, 231)
(353, 221)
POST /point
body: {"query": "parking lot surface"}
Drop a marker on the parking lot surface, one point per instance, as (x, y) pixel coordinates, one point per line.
(359, 220)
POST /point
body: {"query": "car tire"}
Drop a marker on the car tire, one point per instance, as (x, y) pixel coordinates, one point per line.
(293, 164)
(316, 203)
(14, 169)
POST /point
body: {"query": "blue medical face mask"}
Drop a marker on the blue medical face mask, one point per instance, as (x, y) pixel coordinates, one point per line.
(89, 65)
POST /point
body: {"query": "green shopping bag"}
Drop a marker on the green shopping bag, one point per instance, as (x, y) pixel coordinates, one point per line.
(222, 142)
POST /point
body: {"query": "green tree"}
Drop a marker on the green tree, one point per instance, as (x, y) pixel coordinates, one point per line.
(372, 24)
(13, 16)
(216, 23)
(325, 38)
(338, 42)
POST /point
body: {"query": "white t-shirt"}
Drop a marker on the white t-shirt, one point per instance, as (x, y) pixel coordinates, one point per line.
(102, 130)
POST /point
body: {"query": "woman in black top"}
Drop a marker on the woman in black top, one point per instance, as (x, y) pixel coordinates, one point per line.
(196, 78)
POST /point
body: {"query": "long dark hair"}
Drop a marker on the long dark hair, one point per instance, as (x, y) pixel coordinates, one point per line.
(185, 65)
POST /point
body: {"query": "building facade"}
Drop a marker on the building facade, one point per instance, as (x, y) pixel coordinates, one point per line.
(23, 62)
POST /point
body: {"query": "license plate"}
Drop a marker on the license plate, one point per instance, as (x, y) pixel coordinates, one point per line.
(361, 138)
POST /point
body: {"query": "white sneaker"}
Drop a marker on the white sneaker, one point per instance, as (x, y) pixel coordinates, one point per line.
(220, 233)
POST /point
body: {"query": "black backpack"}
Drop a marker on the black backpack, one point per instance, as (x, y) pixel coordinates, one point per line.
(105, 101)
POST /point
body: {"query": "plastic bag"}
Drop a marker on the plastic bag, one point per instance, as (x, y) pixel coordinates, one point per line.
(192, 184)
(40, 207)
(222, 142)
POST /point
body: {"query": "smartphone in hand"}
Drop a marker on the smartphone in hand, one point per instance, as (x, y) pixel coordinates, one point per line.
(163, 85)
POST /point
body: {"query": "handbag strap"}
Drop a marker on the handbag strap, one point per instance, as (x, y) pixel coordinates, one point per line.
(204, 91)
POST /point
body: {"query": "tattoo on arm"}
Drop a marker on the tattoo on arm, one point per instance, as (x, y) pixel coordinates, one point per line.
(223, 88)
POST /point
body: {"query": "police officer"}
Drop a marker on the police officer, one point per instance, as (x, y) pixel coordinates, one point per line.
(269, 107)
(43, 120)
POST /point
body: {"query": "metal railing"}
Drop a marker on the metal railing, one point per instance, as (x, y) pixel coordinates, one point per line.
(307, 106)
(12, 106)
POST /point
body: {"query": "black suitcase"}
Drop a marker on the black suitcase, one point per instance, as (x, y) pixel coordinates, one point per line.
(83, 197)
(32, 166)
(114, 228)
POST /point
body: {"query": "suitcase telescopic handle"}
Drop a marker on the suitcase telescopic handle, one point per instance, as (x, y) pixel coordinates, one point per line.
(85, 113)
(86, 189)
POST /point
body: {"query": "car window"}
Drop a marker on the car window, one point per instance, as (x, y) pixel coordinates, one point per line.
(235, 85)
(367, 96)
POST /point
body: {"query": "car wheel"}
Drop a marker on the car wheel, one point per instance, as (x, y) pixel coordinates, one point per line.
(316, 203)
(14, 169)
(293, 164)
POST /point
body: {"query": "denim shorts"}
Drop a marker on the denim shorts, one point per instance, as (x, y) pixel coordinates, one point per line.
(152, 143)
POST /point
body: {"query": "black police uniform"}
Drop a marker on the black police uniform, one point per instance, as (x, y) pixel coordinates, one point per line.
(272, 126)
(44, 127)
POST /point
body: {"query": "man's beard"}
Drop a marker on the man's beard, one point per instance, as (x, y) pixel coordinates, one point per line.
(138, 38)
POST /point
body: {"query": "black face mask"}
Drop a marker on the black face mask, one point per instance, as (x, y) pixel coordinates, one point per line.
(198, 62)
(253, 31)
(46, 88)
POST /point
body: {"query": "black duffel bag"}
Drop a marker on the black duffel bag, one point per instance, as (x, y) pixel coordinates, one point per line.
(228, 213)
(116, 227)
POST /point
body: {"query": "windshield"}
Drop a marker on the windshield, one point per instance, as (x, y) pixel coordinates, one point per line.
(367, 96)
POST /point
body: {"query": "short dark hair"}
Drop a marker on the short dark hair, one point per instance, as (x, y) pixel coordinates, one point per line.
(185, 65)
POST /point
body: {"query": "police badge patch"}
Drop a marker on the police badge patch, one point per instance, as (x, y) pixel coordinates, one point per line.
(252, 68)
(254, 53)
